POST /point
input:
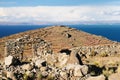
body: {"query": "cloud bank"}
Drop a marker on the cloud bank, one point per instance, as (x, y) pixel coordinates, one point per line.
(59, 13)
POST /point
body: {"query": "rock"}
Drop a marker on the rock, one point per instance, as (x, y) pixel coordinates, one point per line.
(80, 70)
(63, 75)
(67, 35)
(44, 74)
(50, 59)
(115, 76)
(74, 58)
(77, 71)
(63, 59)
(11, 75)
(28, 73)
(43, 69)
(84, 69)
(9, 60)
(101, 77)
(26, 67)
(40, 63)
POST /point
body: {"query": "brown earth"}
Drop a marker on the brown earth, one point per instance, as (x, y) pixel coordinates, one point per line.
(60, 37)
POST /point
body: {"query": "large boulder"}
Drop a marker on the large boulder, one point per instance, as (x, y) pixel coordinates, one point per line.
(101, 77)
(74, 58)
(79, 70)
(63, 59)
(115, 76)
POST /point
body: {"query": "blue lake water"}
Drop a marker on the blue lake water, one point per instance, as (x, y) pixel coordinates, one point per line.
(112, 32)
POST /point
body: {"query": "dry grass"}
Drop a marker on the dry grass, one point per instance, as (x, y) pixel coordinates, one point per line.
(56, 36)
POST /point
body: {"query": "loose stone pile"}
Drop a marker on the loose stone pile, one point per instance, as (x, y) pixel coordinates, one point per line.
(45, 64)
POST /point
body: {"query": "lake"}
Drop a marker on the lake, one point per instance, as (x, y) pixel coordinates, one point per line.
(112, 32)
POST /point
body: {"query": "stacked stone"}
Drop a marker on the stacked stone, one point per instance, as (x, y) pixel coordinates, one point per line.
(65, 65)
(41, 47)
(88, 50)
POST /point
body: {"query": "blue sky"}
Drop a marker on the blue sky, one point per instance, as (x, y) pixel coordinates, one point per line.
(59, 10)
(9, 3)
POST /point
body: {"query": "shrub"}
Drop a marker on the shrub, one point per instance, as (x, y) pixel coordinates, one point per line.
(103, 54)
(93, 53)
(39, 76)
(108, 72)
(25, 77)
(50, 77)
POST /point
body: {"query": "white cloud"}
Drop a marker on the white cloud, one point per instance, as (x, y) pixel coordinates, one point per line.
(60, 13)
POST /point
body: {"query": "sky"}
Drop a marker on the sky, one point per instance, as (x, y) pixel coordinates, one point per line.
(59, 10)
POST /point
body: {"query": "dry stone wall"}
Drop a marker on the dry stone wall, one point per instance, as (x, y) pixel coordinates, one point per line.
(65, 65)
(16, 47)
(87, 51)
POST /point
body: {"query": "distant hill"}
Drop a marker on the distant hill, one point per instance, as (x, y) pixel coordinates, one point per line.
(60, 37)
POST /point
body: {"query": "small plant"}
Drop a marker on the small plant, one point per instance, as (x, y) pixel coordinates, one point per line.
(25, 77)
(103, 54)
(92, 73)
(39, 76)
(96, 64)
(50, 77)
(108, 72)
(93, 53)
(31, 76)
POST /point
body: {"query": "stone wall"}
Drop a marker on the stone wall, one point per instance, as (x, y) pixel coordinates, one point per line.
(111, 49)
(16, 47)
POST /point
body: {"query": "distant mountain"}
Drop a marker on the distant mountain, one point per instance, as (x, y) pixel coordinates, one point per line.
(63, 23)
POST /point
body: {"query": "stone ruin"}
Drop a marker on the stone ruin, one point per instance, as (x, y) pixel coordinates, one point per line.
(16, 47)
(65, 65)
(61, 66)
(109, 49)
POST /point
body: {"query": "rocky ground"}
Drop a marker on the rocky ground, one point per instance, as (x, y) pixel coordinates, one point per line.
(58, 53)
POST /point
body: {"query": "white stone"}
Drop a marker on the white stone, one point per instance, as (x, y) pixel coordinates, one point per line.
(84, 69)
(101, 77)
(11, 75)
(70, 66)
(63, 73)
(77, 71)
(39, 62)
(43, 68)
(63, 59)
(26, 67)
(8, 60)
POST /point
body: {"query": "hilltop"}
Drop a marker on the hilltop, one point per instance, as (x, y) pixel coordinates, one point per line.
(58, 53)
(60, 37)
